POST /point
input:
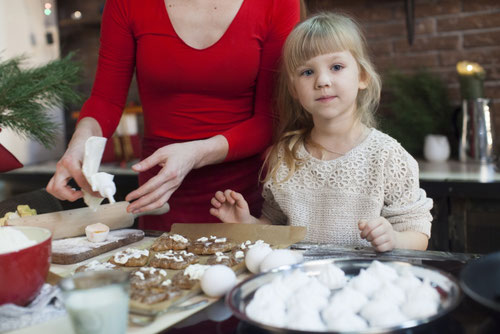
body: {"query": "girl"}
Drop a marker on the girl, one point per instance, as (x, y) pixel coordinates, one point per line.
(330, 169)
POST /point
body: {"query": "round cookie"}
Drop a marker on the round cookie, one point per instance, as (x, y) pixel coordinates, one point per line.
(170, 242)
(131, 257)
(173, 259)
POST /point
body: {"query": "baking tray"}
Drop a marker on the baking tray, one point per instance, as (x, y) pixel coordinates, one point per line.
(448, 287)
(277, 236)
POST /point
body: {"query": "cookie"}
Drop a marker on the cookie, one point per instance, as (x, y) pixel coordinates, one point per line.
(96, 266)
(157, 294)
(173, 259)
(247, 245)
(170, 241)
(189, 277)
(221, 258)
(209, 246)
(147, 277)
(131, 257)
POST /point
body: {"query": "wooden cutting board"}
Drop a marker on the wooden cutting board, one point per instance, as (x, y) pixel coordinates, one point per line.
(73, 250)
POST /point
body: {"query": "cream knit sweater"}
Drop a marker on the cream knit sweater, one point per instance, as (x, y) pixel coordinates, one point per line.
(376, 178)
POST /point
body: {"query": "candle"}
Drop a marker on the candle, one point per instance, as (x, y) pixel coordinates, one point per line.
(471, 77)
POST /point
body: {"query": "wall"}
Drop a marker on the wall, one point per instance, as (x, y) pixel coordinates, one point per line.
(446, 31)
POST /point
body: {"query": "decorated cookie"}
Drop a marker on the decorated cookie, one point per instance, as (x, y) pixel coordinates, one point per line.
(170, 241)
(96, 266)
(187, 278)
(152, 295)
(211, 245)
(173, 259)
(226, 259)
(131, 257)
(147, 277)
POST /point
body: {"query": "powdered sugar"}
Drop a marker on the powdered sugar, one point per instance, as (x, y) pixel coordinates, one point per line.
(81, 244)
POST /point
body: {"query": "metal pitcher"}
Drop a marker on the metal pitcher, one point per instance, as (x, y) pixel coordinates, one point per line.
(477, 137)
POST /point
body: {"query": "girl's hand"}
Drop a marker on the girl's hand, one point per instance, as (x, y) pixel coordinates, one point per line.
(177, 161)
(379, 233)
(230, 207)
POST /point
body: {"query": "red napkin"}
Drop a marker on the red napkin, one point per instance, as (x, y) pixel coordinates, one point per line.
(7, 160)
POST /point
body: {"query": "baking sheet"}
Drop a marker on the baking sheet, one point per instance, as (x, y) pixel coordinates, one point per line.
(276, 236)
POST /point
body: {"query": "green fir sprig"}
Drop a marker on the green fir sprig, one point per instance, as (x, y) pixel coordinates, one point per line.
(27, 93)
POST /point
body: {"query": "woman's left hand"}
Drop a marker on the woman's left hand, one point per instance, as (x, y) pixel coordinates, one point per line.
(177, 160)
(379, 233)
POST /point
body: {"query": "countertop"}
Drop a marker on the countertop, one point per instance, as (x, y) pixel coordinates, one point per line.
(451, 170)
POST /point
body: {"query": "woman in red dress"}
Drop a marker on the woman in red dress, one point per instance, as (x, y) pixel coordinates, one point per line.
(205, 74)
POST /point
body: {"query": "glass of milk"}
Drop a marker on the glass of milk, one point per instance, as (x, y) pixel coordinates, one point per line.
(97, 301)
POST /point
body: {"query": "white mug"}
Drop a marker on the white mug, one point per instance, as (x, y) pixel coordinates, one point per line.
(436, 148)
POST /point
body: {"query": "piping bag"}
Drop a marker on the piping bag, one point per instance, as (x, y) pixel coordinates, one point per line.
(100, 182)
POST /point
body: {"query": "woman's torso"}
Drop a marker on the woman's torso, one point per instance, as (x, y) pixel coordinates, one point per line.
(187, 93)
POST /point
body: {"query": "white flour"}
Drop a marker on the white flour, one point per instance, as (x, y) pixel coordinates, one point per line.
(12, 240)
(81, 244)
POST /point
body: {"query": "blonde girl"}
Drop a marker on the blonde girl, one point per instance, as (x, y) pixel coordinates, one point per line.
(330, 169)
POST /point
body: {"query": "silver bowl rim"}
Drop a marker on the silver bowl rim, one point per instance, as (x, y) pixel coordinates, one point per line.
(405, 325)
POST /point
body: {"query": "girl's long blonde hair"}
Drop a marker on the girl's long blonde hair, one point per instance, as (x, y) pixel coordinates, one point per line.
(320, 34)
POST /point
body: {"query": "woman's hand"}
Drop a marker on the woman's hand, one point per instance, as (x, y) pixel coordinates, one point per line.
(70, 165)
(379, 233)
(230, 207)
(176, 160)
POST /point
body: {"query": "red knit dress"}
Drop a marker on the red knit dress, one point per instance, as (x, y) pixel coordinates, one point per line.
(189, 94)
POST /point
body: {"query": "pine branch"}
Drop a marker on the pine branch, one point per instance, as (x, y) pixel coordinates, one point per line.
(27, 94)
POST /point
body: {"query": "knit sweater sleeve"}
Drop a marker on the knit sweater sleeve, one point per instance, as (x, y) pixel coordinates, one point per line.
(406, 205)
(271, 209)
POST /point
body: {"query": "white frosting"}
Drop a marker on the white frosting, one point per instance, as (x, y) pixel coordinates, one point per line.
(166, 282)
(220, 240)
(332, 276)
(173, 255)
(178, 238)
(220, 256)
(239, 254)
(202, 239)
(140, 275)
(99, 181)
(95, 265)
(12, 240)
(123, 256)
(152, 270)
(195, 271)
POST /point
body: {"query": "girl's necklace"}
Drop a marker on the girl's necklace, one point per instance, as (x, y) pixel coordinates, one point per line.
(356, 142)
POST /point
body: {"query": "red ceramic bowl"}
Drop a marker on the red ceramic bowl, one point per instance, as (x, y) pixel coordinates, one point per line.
(23, 272)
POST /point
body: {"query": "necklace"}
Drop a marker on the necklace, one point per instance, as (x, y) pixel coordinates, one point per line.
(356, 142)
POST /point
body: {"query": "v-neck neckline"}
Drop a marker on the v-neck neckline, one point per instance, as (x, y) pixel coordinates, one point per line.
(211, 45)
